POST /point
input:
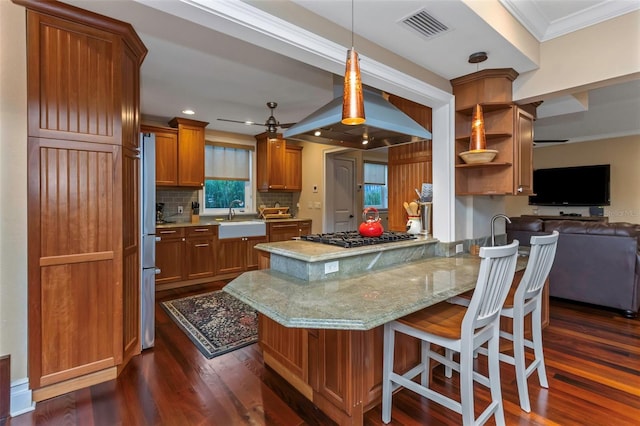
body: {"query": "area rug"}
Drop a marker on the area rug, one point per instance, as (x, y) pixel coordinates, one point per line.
(215, 322)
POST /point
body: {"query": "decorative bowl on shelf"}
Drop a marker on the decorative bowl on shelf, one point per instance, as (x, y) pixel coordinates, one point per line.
(478, 156)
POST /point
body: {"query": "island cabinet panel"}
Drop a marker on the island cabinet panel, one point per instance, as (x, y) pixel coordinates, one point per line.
(287, 346)
(339, 370)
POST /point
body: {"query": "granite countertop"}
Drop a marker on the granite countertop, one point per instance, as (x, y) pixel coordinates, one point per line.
(309, 251)
(362, 302)
(207, 221)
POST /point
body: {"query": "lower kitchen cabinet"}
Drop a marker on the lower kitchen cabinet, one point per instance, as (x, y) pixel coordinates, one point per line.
(185, 253)
(284, 231)
(237, 255)
(200, 251)
(170, 253)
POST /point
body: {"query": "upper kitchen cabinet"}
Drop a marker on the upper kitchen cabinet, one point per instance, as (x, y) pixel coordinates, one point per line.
(508, 130)
(166, 154)
(190, 151)
(83, 171)
(279, 165)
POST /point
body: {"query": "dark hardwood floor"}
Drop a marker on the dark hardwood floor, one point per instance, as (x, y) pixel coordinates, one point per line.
(592, 357)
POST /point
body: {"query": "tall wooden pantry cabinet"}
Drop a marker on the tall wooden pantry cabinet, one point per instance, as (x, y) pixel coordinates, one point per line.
(83, 254)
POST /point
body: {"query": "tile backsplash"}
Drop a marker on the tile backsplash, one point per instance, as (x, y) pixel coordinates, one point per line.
(174, 197)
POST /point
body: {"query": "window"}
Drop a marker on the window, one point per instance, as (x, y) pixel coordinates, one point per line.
(227, 171)
(375, 185)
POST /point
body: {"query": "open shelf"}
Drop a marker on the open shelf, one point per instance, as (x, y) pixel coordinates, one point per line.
(492, 164)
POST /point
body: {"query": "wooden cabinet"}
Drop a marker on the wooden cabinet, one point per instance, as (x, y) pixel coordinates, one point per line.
(287, 230)
(166, 154)
(340, 371)
(170, 255)
(279, 165)
(190, 151)
(237, 255)
(200, 251)
(293, 168)
(508, 130)
(185, 253)
(83, 174)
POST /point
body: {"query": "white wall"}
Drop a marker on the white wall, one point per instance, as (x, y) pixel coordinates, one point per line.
(624, 156)
(13, 192)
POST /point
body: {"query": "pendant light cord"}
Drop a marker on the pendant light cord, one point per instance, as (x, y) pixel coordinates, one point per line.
(352, 13)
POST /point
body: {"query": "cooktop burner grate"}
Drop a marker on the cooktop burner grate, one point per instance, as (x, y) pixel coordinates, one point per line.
(354, 239)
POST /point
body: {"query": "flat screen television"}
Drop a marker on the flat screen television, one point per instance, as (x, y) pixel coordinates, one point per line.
(571, 186)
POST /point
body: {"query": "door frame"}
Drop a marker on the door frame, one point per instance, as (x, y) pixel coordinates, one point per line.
(328, 224)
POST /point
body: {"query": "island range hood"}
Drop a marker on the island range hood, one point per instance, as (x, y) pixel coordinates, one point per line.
(385, 126)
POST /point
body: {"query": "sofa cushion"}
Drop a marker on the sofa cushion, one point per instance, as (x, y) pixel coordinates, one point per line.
(621, 229)
(525, 224)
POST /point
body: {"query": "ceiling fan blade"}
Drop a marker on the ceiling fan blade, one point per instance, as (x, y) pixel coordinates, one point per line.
(550, 140)
(241, 122)
(285, 125)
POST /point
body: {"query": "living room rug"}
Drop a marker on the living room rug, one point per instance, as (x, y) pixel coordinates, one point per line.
(215, 322)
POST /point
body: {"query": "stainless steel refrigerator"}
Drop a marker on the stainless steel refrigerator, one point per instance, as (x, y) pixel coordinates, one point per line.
(148, 268)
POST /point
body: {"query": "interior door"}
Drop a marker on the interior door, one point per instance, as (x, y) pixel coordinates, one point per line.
(343, 195)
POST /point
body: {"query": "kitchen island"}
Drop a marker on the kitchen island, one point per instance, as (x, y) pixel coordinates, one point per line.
(322, 331)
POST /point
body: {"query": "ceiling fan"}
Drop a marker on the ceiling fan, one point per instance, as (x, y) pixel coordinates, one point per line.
(271, 124)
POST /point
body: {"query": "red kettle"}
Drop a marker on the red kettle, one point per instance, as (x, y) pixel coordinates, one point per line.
(371, 227)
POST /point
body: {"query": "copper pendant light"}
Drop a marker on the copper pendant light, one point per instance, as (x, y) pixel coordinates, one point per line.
(352, 97)
(478, 138)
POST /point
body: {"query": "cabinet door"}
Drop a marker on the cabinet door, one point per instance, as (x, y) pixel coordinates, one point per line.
(524, 149)
(200, 257)
(75, 267)
(190, 156)
(293, 168)
(166, 155)
(283, 231)
(190, 151)
(304, 227)
(231, 256)
(252, 253)
(170, 252)
(276, 166)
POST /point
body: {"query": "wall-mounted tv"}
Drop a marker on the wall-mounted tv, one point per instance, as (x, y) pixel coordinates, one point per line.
(571, 186)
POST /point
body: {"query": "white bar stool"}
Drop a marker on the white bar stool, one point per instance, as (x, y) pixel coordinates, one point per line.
(460, 329)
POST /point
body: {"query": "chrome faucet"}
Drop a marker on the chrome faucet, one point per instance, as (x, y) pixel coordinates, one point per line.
(493, 227)
(231, 213)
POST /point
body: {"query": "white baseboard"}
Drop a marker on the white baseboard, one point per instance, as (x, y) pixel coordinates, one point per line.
(21, 401)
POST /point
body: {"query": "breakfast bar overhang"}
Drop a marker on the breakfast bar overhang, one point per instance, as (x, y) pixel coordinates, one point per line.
(322, 309)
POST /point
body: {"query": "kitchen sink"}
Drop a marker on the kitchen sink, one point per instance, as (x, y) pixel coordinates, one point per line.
(241, 228)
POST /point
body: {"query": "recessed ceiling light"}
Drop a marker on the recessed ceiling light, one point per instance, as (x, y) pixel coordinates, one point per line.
(317, 133)
(188, 111)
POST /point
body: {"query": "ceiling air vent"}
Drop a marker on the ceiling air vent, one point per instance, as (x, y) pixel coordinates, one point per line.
(425, 24)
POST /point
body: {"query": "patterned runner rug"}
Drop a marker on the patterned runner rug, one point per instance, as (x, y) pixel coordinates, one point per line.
(215, 322)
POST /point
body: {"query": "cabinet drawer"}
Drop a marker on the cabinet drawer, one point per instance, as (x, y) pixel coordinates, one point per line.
(170, 232)
(201, 231)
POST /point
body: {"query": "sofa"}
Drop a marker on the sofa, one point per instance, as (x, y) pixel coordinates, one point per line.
(596, 262)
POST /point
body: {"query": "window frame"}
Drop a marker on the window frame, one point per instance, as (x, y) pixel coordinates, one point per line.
(250, 187)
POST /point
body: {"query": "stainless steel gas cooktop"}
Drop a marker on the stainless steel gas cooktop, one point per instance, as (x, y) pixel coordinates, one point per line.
(354, 239)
